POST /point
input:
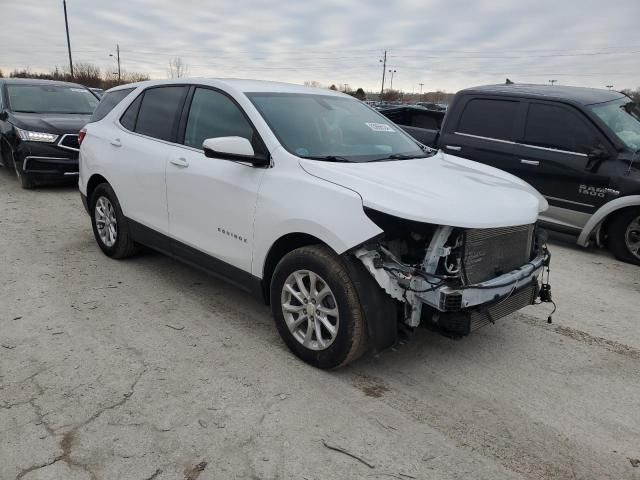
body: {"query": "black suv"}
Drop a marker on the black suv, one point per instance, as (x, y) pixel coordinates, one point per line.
(39, 125)
(579, 147)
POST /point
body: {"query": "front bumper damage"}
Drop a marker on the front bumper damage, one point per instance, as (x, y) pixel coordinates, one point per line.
(453, 305)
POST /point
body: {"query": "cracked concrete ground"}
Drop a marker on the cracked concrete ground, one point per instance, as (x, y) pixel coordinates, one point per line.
(146, 369)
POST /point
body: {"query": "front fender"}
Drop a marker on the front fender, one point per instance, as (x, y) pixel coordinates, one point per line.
(602, 213)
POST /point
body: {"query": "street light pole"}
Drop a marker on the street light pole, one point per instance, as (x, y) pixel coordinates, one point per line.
(552, 82)
(118, 59)
(384, 69)
(421, 85)
(66, 24)
(392, 72)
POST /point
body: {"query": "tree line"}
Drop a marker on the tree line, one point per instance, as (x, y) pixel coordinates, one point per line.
(86, 74)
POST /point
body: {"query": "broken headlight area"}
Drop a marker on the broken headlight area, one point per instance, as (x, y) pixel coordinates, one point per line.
(456, 279)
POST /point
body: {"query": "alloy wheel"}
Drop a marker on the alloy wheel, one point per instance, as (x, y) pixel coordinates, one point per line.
(106, 222)
(310, 309)
(632, 237)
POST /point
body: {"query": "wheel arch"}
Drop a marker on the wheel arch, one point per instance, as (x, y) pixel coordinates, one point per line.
(95, 180)
(604, 214)
(282, 246)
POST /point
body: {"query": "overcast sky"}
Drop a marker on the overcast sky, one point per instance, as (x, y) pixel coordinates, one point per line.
(444, 44)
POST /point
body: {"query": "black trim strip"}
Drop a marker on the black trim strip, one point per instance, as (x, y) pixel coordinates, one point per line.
(195, 258)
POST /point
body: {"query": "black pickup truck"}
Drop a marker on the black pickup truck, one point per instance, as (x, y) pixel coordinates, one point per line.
(579, 147)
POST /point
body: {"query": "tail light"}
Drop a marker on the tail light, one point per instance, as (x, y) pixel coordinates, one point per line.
(81, 135)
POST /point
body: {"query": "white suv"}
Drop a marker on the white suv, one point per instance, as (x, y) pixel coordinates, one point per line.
(350, 229)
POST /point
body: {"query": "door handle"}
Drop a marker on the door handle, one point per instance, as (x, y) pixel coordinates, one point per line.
(180, 162)
(453, 147)
(524, 161)
(116, 142)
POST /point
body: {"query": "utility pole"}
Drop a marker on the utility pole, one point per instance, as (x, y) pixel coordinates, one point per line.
(421, 85)
(66, 24)
(384, 69)
(552, 82)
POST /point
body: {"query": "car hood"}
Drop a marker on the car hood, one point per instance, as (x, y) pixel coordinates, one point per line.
(59, 123)
(442, 189)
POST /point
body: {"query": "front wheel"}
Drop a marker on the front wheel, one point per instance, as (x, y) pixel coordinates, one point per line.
(316, 308)
(26, 181)
(624, 236)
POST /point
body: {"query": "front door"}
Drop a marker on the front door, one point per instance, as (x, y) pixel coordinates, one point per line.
(212, 201)
(552, 157)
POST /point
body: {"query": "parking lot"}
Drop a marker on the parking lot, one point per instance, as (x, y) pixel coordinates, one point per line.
(145, 368)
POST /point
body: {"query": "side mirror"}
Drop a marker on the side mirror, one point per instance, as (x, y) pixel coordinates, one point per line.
(595, 157)
(233, 148)
(4, 115)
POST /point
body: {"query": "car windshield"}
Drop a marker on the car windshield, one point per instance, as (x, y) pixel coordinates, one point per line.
(51, 99)
(332, 128)
(623, 117)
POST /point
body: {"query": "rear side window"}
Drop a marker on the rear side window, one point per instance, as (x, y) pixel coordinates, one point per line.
(108, 103)
(489, 118)
(159, 112)
(213, 114)
(128, 119)
(558, 128)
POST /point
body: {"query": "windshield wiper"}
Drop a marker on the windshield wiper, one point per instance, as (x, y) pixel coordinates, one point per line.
(328, 158)
(398, 156)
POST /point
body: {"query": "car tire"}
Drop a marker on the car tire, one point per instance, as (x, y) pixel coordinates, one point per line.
(27, 181)
(623, 235)
(324, 325)
(110, 227)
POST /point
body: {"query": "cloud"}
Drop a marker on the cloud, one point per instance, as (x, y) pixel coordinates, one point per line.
(445, 44)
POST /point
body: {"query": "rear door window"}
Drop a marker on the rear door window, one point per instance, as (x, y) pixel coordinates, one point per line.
(489, 118)
(159, 112)
(108, 102)
(558, 128)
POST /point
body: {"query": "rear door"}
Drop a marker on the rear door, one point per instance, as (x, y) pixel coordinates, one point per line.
(140, 152)
(212, 201)
(485, 130)
(552, 156)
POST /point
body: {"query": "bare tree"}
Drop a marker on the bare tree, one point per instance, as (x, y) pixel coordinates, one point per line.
(1, 74)
(312, 83)
(177, 68)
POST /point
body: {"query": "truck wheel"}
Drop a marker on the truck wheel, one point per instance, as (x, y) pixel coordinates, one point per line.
(110, 227)
(26, 181)
(624, 236)
(316, 308)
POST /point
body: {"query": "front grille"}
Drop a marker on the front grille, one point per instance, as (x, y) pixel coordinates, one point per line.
(480, 318)
(69, 141)
(491, 252)
(464, 322)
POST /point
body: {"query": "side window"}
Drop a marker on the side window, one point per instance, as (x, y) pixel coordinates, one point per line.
(128, 118)
(159, 112)
(108, 102)
(489, 118)
(213, 114)
(559, 128)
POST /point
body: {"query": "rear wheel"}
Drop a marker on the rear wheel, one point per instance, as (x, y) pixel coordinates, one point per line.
(624, 236)
(316, 308)
(110, 227)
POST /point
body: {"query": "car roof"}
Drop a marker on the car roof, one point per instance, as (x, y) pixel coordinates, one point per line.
(38, 81)
(578, 95)
(239, 85)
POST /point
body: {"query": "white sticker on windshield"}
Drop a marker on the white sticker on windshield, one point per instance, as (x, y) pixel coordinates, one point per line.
(380, 127)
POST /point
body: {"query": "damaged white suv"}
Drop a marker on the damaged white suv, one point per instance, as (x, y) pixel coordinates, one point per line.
(343, 223)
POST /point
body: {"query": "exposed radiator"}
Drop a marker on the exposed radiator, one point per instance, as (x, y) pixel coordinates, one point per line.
(491, 252)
